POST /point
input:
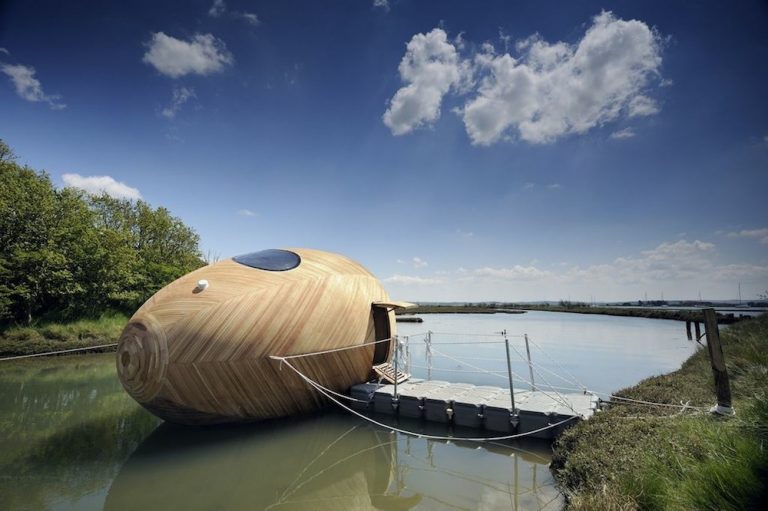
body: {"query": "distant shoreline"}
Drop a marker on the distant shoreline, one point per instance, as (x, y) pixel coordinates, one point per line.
(677, 315)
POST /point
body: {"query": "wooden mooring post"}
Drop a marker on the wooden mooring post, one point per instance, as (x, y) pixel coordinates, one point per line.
(715, 349)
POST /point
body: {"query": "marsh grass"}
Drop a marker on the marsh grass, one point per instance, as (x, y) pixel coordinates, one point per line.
(638, 457)
(54, 336)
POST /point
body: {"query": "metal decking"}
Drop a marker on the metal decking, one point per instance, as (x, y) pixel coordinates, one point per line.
(479, 407)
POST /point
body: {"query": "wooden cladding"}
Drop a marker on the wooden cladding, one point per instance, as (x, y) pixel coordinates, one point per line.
(203, 356)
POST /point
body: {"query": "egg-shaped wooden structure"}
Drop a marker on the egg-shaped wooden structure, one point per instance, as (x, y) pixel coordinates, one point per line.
(198, 351)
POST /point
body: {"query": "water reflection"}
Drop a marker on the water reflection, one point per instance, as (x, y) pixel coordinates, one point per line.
(66, 426)
(71, 438)
(328, 461)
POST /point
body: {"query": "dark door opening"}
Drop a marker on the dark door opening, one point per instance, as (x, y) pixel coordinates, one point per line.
(382, 331)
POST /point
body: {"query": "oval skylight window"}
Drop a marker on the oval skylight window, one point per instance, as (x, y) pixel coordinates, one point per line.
(271, 259)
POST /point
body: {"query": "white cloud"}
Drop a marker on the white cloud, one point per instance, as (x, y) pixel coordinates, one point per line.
(529, 186)
(431, 67)
(516, 272)
(761, 234)
(669, 261)
(465, 234)
(679, 269)
(28, 87)
(180, 96)
(203, 54)
(246, 212)
(383, 4)
(3, 50)
(416, 262)
(410, 280)
(622, 134)
(642, 106)
(248, 17)
(217, 9)
(556, 89)
(554, 186)
(97, 185)
(548, 91)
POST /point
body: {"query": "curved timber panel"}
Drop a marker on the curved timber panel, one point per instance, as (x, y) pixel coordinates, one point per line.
(207, 352)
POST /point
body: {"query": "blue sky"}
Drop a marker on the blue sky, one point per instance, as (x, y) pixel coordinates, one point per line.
(459, 150)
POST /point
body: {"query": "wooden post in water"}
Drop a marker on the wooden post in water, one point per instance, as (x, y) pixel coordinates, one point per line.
(715, 349)
(688, 329)
(698, 331)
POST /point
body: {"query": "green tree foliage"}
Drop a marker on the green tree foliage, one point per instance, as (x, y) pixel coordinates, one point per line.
(69, 254)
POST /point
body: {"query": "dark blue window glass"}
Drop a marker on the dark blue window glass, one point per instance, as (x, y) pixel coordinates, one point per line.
(272, 260)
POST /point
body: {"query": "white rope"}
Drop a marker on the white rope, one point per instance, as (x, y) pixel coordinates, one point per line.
(334, 350)
(465, 343)
(343, 396)
(560, 399)
(58, 352)
(421, 435)
(648, 403)
(499, 374)
(575, 380)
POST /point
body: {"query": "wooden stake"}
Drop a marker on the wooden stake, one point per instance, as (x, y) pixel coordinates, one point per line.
(715, 349)
(688, 329)
(698, 331)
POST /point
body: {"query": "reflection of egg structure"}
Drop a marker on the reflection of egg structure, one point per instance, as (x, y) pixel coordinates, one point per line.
(198, 351)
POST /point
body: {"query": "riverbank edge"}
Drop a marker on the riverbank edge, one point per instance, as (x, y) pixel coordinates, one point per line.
(634, 456)
(55, 336)
(677, 315)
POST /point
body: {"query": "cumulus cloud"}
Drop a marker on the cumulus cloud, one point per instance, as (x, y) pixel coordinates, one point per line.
(556, 89)
(410, 280)
(760, 234)
(622, 134)
(28, 87)
(431, 67)
(246, 212)
(547, 91)
(382, 4)
(97, 185)
(203, 54)
(180, 96)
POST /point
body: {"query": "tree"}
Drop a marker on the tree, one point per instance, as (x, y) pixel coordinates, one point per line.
(69, 254)
(34, 268)
(6, 153)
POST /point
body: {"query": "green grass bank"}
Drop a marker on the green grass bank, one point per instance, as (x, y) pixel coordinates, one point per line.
(633, 456)
(56, 336)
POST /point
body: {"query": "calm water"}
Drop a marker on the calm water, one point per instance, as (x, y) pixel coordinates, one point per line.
(70, 438)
